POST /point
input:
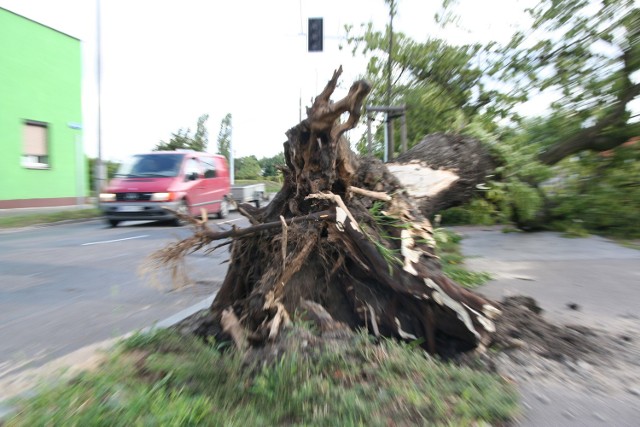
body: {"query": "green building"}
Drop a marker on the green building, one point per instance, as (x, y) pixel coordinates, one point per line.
(41, 158)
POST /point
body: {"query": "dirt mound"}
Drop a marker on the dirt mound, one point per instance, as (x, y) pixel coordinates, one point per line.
(522, 325)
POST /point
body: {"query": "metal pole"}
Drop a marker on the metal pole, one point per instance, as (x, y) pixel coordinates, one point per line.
(389, 123)
(99, 172)
(392, 145)
(369, 139)
(79, 169)
(403, 131)
(385, 157)
(79, 166)
(232, 174)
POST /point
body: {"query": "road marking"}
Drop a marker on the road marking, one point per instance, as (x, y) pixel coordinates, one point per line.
(113, 241)
(228, 221)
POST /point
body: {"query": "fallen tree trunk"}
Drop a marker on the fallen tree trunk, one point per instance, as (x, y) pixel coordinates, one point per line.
(443, 171)
(342, 236)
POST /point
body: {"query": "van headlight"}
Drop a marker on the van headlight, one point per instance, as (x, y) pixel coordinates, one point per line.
(107, 197)
(161, 197)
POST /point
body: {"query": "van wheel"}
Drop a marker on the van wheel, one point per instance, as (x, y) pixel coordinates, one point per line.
(113, 222)
(183, 209)
(224, 208)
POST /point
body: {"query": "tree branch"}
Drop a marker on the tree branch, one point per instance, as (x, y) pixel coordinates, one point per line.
(244, 232)
(591, 138)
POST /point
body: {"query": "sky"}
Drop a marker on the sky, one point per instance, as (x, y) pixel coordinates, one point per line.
(166, 63)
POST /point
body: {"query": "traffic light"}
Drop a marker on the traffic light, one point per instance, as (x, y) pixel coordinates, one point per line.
(315, 35)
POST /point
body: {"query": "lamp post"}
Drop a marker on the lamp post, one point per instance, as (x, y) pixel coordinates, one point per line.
(78, 162)
(100, 175)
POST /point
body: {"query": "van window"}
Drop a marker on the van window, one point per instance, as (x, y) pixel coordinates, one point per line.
(192, 166)
(151, 165)
(209, 167)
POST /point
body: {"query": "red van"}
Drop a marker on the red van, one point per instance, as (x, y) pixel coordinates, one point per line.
(184, 181)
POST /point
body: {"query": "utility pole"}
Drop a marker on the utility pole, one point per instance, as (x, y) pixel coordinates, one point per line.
(389, 124)
(391, 113)
(99, 167)
(232, 173)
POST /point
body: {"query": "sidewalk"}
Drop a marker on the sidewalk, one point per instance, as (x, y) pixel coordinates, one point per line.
(44, 210)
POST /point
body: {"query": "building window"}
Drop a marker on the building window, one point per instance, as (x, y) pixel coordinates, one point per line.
(34, 145)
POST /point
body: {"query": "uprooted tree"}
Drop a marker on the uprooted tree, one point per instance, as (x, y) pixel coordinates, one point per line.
(343, 243)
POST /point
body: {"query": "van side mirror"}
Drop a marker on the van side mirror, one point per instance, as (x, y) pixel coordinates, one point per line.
(192, 176)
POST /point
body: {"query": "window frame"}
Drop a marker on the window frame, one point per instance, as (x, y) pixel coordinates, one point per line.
(41, 161)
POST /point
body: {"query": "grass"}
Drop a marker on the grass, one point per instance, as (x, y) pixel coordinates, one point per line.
(24, 220)
(448, 249)
(270, 186)
(167, 379)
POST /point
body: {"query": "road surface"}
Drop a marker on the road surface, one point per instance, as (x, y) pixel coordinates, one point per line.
(66, 286)
(592, 282)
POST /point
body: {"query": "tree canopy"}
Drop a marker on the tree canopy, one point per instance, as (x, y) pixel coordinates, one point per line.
(224, 136)
(247, 168)
(584, 55)
(587, 52)
(182, 140)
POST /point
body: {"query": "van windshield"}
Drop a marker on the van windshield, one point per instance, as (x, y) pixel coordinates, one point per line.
(151, 165)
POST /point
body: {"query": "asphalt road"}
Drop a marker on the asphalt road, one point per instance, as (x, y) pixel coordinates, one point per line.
(592, 282)
(66, 286)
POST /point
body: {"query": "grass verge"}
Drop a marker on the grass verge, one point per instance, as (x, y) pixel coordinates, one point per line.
(25, 220)
(270, 186)
(168, 379)
(448, 249)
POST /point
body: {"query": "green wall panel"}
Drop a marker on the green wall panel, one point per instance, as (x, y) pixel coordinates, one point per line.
(40, 80)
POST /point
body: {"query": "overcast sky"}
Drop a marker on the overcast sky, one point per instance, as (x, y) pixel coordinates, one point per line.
(165, 63)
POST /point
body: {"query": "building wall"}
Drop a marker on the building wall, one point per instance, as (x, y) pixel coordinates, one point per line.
(40, 80)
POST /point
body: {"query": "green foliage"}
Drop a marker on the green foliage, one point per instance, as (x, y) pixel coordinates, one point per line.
(452, 260)
(182, 140)
(433, 79)
(586, 52)
(390, 255)
(270, 186)
(224, 136)
(170, 379)
(270, 166)
(247, 168)
(111, 169)
(24, 220)
(599, 193)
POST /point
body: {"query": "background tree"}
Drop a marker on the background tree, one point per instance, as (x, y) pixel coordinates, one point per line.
(201, 138)
(224, 137)
(270, 165)
(183, 139)
(441, 85)
(111, 168)
(247, 168)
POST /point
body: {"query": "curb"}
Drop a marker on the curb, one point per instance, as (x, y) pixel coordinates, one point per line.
(47, 224)
(24, 384)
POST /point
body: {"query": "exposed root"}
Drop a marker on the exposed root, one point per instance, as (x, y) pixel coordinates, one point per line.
(231, 325)
(326, 245)
(284, 242)
(338, 201)
(378, 195)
